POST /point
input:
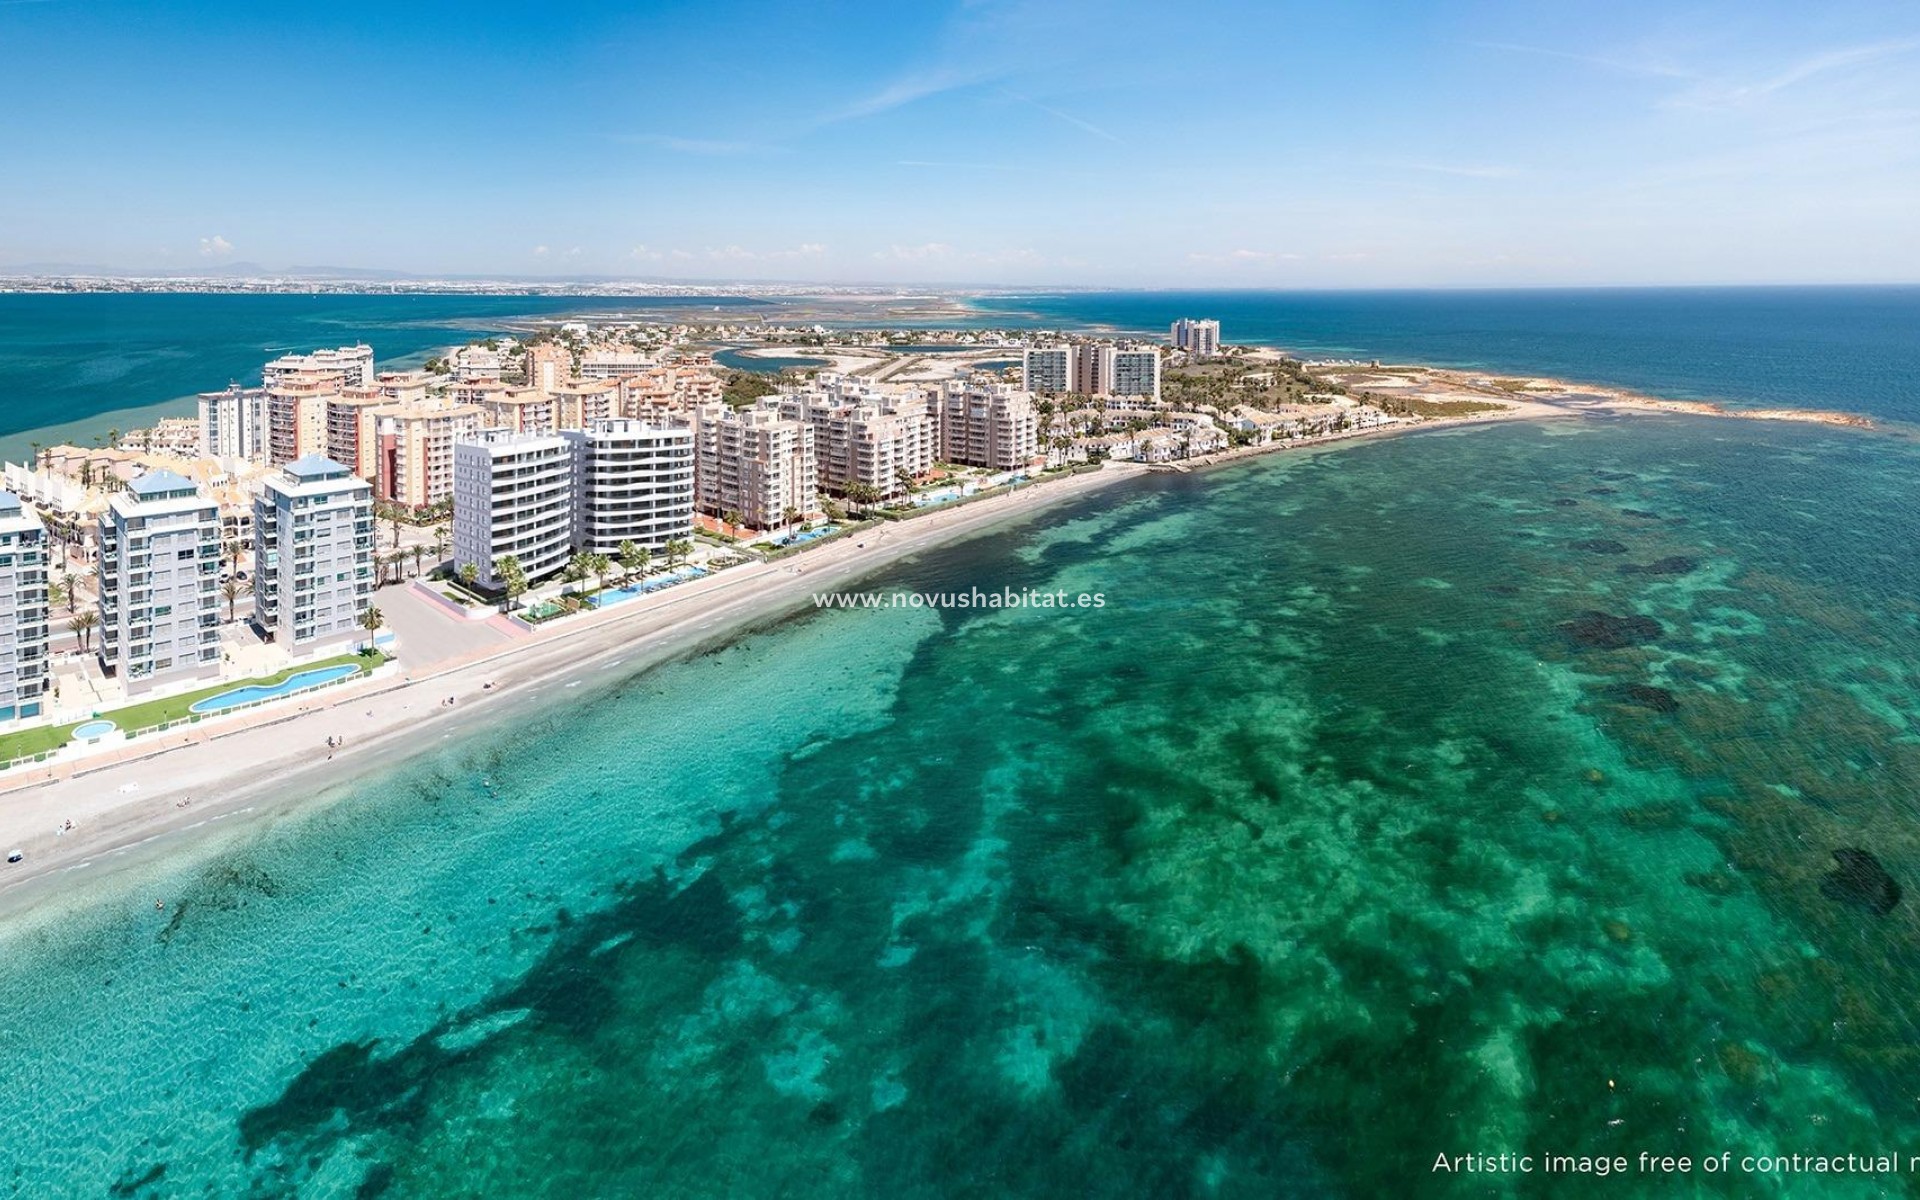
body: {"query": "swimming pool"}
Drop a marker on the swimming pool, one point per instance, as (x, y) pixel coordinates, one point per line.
(93, 729)
(602, 599)
(804, 536)
(253, 693)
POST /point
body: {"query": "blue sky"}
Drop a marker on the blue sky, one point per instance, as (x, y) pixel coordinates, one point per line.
(989, 142)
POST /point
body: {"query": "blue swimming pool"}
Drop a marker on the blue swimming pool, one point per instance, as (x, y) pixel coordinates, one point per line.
(253, 693)
(616, 595)
(93, 729)
(802, 537)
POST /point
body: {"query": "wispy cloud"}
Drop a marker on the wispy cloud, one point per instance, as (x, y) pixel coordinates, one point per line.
(909, 88)
(215, 247)
(735, 253)
(1641, 66)
(1726, 93)
(1069, 118)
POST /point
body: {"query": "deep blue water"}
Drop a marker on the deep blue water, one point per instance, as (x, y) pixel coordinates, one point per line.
(1850, 348)
(71, 366)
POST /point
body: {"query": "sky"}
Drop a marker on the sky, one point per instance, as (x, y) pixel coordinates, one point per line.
(988, 142)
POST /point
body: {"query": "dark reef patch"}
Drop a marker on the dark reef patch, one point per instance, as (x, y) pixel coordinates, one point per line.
(1600, 546)
(1673, 564)
(1595, 630)
(1644, 695)
(1858, 879)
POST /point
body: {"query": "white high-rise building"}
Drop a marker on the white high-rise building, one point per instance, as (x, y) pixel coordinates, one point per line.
(1201, 339)
(1050, 370)
(1130, 371)
(983, 423)
(354, 365)
(23, 611)
(233, 423)
(313, 538)
(513, 493)
(756, 463)
(159, 568)
(635, 483)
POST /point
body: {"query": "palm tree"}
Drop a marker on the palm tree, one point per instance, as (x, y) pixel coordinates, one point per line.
(602, 566)
(788, 516)
(469, 574)
(513, 576)
(678, 548)
(398, 561)
(82, 624)
(629, 558)
(371, 620)
(233, 589)
(418, 552)
(442, 541)
(578, 567)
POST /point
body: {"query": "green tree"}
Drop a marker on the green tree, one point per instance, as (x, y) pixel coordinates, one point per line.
(232, 590)
(677, 550)
(371, 619)
(418, 553)
(602, 567)
(629, 556)
(82, 624)
(512, 577)
(469, 574)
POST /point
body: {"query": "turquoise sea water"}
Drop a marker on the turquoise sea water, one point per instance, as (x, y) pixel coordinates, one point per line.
(1346, 834)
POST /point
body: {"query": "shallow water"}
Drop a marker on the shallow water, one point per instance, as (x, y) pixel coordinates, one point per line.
(1344, 835)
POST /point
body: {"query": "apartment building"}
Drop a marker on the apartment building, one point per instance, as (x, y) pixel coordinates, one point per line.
(352, 365)
(472, 363)
(513, 493)
(983, 423)
(233, 423)
(159, 568)
(23, 611)
(1130, 371)
(549, 364)
(410, 457)
(1200, 339)
(756, 463)
(635, 483)
(313, 538)
(581, 403)
(296, 416)
(613, 364)
(879, 441)
(349, 439)
(520, 410)
(1050, 370)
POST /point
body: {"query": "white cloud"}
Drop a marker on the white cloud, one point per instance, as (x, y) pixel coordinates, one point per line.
(644, 254)
(1243, 256)
(215, 247)
(541, 252)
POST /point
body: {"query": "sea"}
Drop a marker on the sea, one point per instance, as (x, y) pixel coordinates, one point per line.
(1542, 789)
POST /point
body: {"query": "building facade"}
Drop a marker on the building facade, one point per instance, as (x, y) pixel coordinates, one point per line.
(313, 536)
(231, 423)
(1200, 339)
(635, 483)
(1049, 370)
(983, 423)
(513, 493)
(159, 568)
(755, 463)
(23, 611)
(352, 364)
(864, 441)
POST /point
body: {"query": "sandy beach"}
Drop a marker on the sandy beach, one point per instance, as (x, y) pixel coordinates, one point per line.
(126, 804)
(138, 801)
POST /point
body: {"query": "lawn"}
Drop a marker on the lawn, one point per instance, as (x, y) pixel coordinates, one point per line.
(175, 708)
(29, 742)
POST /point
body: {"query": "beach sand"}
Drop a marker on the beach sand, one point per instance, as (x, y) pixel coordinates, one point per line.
(130, 804)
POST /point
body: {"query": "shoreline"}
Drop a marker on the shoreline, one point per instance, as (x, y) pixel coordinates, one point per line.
(127, 806)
